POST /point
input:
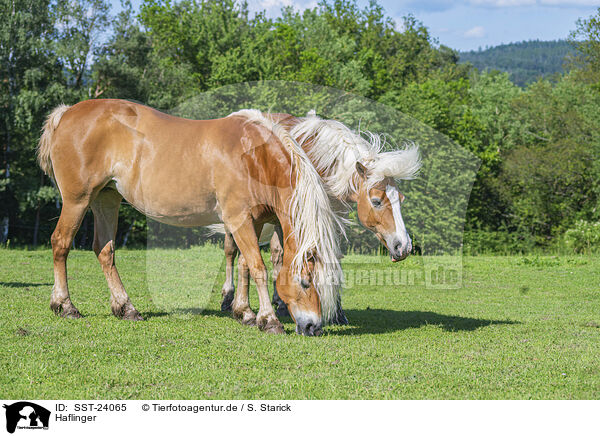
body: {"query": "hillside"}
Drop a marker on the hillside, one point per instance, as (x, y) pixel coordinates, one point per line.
(525, 61)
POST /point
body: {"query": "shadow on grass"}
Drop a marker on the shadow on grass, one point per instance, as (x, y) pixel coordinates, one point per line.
(377, 321)
(22, 284)
(373, 321)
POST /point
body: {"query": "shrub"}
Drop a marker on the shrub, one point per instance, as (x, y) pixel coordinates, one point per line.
(584, 237)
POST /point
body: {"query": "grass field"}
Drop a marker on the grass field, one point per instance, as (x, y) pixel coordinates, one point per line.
(520, 327)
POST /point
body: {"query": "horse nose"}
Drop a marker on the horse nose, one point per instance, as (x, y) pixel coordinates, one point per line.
(399, 250)
(310, 329)
(313, 330)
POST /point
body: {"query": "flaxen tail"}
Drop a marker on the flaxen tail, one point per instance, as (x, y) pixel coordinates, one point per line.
(45, 145)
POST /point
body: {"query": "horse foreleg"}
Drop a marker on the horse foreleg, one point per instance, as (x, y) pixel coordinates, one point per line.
(106, 215)
(228, 290)
(70, 219)
(247, 242)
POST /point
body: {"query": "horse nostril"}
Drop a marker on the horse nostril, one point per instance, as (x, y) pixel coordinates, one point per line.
(398, 247)
(309, 329)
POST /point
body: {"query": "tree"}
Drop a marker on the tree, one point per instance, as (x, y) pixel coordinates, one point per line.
(80, 25)
(586, 39)
(549, 177)
(29, 81)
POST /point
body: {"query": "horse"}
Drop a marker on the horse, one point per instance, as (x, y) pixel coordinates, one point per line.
(354, 170)
(242, 170)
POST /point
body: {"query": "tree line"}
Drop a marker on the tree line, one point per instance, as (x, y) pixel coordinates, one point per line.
(525, 61)
(538, 184)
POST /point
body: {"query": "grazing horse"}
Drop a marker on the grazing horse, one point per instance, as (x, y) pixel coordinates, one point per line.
(242, 170)
(354, 170)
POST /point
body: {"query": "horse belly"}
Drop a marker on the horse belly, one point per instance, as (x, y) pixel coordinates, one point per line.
(177, 207)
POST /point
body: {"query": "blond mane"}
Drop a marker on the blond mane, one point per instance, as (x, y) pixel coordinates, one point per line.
(335, 150)
(317, 228)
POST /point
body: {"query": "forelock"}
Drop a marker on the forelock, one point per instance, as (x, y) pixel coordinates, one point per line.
(403, 164)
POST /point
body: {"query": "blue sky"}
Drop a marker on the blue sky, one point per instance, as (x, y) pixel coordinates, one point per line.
(470, 24)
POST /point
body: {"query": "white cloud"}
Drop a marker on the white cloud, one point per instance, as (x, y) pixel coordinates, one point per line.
(298, 5)
(268, 4)
(275, 6)
(475, 32)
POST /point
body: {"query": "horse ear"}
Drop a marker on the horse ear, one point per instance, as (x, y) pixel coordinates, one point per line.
(361, 170)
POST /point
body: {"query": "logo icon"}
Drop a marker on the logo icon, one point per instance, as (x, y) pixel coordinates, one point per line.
(24, 414)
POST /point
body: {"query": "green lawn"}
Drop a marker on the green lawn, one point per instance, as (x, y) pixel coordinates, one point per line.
(520, 327)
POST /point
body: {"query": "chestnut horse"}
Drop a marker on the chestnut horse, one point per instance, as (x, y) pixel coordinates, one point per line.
(354, 170)
(242, 170)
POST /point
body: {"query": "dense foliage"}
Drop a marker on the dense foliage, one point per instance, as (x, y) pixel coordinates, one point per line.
(525, 61)
(538, 146)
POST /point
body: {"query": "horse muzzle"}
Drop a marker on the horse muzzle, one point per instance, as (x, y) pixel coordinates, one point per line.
(309, 330)
(308, 325)
(398, 249)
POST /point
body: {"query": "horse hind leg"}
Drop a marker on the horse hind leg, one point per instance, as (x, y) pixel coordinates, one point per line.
(106, 213)
(71, 215)
(277, 261)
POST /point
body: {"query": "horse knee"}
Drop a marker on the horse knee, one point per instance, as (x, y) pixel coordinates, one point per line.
(259, 273)
(60, 246)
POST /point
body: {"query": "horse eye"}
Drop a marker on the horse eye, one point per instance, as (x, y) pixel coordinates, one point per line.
(304, 283)
(376, 202)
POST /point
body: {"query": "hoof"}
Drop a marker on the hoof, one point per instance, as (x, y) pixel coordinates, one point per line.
(273, 327)
(127, 312)
(246, 318)
(282, 310)
(133, 315)
(66, 310)
(275, 330)
(270, 324)
(339, 318)
(250, 321)
(226, 303)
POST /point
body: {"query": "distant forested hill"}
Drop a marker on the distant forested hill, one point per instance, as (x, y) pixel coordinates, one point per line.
(525, 61)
